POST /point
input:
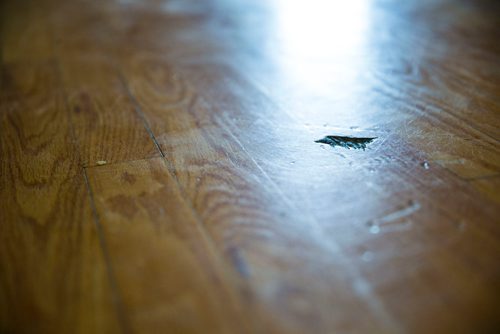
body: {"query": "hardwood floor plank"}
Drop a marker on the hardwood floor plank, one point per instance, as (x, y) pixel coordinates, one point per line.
(249, 115)
(216, 208)
(165, 267)
(269, 245)
(406, 204)
(404, 89)
(106, 124)
(53, 278)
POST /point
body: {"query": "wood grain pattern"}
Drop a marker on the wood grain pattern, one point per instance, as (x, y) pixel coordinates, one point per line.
(391, 215)
(411, 212)
(261, 242)
(166, 270)
(190, 129)
(53, 276)
(101, 111)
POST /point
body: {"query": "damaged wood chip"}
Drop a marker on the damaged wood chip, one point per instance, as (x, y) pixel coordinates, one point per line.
(346, 141)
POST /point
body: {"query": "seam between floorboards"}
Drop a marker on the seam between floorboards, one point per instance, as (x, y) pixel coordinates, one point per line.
(139, 111)
(116, 294)
(200, 226)
(371, 300)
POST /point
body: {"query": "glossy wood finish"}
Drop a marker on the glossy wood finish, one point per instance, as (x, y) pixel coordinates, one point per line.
(159, 170)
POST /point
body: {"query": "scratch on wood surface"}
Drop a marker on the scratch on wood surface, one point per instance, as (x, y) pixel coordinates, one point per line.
(239, 263)
(392, 221)
(347, 141)
(398, 214)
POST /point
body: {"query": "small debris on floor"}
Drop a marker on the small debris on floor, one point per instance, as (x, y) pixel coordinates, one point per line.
(101, 162)
(347, 141)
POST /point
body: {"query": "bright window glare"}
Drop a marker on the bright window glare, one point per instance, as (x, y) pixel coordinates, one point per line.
(318, 39)
(320, 28)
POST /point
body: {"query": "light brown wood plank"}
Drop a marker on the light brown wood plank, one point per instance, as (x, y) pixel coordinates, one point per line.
(105, 122)
(53, 276)
(401, 195)
(404, 90)
(243, 110)
(268, 230)
(271, 246)
(106, 125)
(165, 266)
(380, 163)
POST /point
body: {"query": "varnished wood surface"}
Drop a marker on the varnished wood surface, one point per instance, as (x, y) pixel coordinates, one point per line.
(159, 170)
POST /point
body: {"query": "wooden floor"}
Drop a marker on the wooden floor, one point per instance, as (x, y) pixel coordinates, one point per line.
(159, 171)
